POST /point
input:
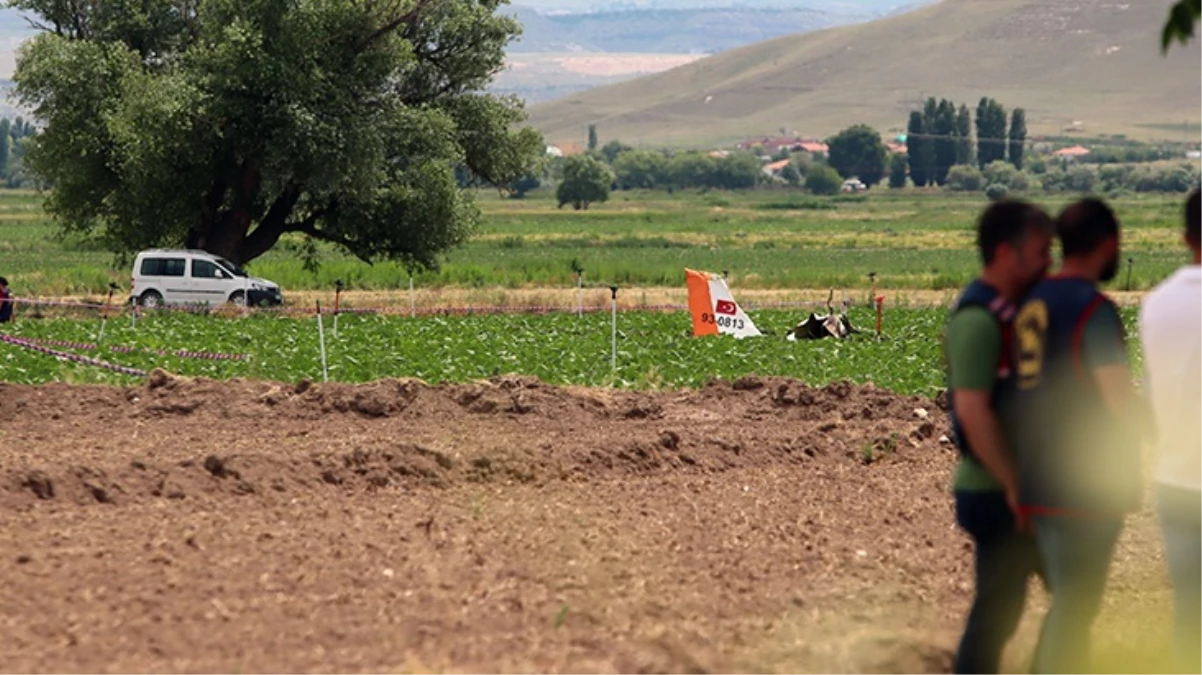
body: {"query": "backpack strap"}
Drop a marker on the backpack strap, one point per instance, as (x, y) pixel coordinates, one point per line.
(1003, 311)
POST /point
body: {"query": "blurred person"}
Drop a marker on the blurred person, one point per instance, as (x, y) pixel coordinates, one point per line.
(1014, 239)
(1170, 327)
(6, 303)
(1079, 429)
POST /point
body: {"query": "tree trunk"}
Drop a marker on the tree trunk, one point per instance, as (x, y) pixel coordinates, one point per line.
(226, 238)
(223, 231)
(272, 226)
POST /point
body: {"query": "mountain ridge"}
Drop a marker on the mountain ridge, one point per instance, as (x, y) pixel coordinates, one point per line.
(1096, 62)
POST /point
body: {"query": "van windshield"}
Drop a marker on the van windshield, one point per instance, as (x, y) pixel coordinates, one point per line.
(231, 267)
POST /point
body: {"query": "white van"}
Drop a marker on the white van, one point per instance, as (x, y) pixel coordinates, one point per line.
(190, 277)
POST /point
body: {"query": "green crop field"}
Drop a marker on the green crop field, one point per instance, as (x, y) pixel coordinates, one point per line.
(768, 239)
(654, 349)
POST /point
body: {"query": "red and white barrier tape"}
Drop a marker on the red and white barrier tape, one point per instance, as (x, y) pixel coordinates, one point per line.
(182, 353)
(419, 311)
(124, 370)
(90, 346)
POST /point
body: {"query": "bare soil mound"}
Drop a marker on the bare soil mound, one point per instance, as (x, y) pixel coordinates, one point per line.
(503, 525)
(178, 436)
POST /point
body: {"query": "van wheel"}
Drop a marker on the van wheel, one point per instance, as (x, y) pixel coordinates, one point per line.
(238, 298)
(151, 300)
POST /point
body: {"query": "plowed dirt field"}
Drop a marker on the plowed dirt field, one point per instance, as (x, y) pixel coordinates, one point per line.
(507, 525)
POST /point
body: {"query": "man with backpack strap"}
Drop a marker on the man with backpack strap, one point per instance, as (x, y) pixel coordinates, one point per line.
(1014, 239)
(1081, 429)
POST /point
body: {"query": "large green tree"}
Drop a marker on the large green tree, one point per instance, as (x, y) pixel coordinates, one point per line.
(920, 153)
(586, 179)
(5, 145)
(226, 124)
(790, 174)
(858, 151)
(611, 150)
(897, 171)
(691, 169)
(1018, 137)
(639, 169)
(963, 135)
(736, 171)
(991, 132)
(943, 128)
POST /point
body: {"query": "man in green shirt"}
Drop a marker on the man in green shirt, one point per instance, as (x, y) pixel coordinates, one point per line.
(1014, 239)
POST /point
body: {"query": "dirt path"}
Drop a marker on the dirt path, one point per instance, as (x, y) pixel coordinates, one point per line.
(496, 526)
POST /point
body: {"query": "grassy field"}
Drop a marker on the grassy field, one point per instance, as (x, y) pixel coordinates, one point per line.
(771, 239)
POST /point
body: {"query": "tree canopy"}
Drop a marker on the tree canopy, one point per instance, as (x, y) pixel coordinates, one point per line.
(226, 124)
(858, 151)
(823, 180)
(1183, 17)
(635, 169)
(991, 131)
(585, 180)
(920, 152)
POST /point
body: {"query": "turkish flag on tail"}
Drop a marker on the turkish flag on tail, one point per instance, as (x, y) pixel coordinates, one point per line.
(714, 310)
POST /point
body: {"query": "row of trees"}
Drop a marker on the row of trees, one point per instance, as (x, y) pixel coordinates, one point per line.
(1078, 178)
(857, 151)
(14, 135)
(940, 136)
(586, 178)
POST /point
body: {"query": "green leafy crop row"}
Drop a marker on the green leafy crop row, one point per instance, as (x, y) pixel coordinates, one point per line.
(654, 349)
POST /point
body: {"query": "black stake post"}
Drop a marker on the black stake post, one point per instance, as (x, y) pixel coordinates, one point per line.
(613, 358)
(104, 317)
(872, 296)
(1130, 264)
(337, 302)
(579, 291)
(321, 336)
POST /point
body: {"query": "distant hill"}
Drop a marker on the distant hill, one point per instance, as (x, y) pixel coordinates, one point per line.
(544, 76)
(869, 7)
(668, 31)
(1096, 62)
(545, 62)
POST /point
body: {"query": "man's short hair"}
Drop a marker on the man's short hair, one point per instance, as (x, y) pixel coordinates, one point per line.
(1008, 221)
(3, 281)
(1193, 217)
(1085, 225)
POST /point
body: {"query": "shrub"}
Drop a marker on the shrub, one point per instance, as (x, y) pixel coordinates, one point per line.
(1054, 181)
(823, 180)
(1176, 179)
(1081, 179)
(964, 178)
(996, 191)
(999, 172)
